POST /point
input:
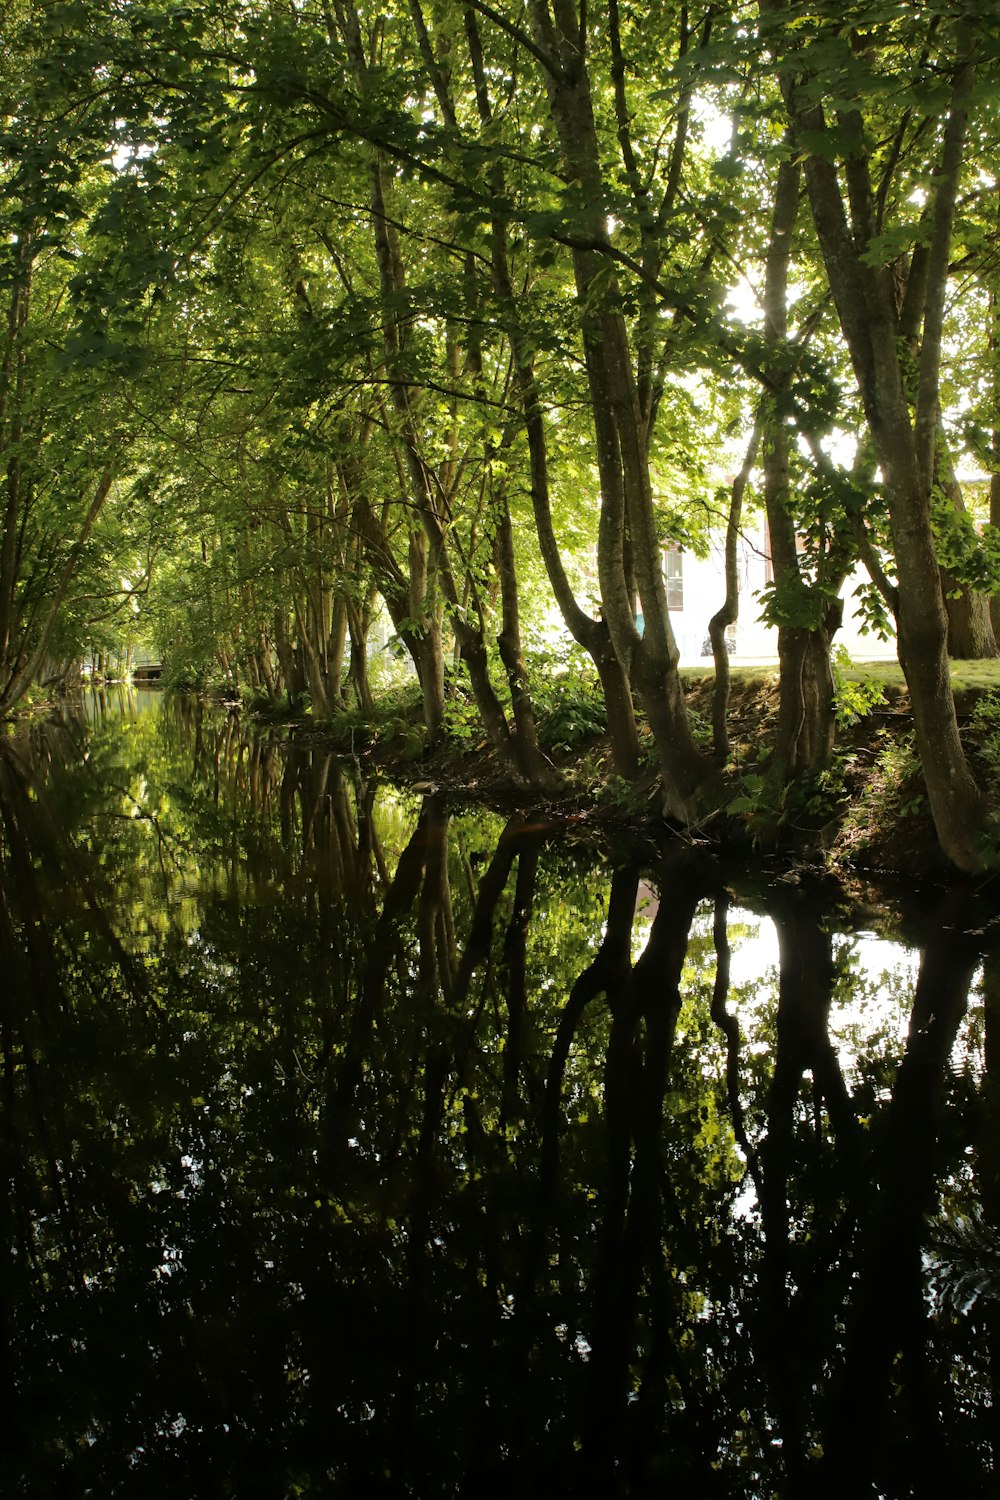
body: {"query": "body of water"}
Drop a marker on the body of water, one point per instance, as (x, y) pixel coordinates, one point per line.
(353, 1146)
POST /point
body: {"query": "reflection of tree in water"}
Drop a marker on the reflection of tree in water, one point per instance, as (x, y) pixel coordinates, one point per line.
(346, 1145)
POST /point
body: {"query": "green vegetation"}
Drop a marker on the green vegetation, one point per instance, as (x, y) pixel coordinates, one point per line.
(340, 336)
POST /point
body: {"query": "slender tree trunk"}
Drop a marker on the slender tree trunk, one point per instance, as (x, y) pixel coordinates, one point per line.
(12, 393)
(728, 612)
(531, 763)
(593, 635)
(358, 626)
(994, 347)
(22, 669)
(312, 662)
(336, 651)
(435, 525)
(265, 667)
(404, 597)
(806, 724)
(291, 668)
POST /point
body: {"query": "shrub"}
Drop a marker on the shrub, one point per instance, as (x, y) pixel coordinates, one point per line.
(569, 704)
(984, 722)
(855, 694)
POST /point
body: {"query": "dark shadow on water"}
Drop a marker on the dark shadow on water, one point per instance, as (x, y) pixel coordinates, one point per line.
(352, 1146)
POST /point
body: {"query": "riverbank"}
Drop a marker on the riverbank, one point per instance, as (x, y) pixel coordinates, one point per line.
(867, 814)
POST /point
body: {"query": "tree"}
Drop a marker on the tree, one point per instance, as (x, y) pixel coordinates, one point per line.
(62, 428)
(828, 88)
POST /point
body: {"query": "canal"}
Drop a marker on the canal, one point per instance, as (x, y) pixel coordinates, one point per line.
(358, 1144)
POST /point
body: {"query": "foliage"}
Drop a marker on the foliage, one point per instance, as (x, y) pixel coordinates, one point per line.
(893, 789)
(856, 694)
(771, 809)
(984, 727)
(461, 721)
(969, 553)
(568, 700)
(314, 313)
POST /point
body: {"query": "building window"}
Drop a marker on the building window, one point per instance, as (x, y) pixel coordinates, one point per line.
(673, 569)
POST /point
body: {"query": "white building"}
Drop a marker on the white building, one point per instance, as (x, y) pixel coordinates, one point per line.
(696, 589)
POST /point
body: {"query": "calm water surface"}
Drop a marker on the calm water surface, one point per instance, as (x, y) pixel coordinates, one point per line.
(352, 1147)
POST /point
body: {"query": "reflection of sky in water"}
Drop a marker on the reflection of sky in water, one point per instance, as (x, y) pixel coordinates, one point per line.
(875, 1000)
(873, 993)
(873, 957)
(754, 950)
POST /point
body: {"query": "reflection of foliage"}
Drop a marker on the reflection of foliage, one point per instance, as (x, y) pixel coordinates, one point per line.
(398, 1155)
(964, 1265)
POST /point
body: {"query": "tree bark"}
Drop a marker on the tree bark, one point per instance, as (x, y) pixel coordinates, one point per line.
(531, 762)
(627, 534)
(865, 304)
(994, 347)
(358, 626)
(970, 628)
(806, 724)
(593, 635)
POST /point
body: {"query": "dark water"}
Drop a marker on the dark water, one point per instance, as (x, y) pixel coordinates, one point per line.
(355, 1148)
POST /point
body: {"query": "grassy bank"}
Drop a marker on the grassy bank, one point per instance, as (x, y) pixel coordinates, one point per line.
(868, 810)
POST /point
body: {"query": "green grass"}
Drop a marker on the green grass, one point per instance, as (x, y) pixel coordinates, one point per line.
(747, 675)
(975, 676)
(966, 676)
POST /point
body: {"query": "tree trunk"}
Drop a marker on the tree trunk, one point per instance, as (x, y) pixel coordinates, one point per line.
(970, 628)
(593, 635)
(728, 612)
(627, 533)
(336, 651)
(312, 661)
(806, 723)
(428, 658)
(404, 598)
(358, 626)
(291, 669)
(970, 625)
(531, 763)
(265, 667)
(994, 346)
(863, 294)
